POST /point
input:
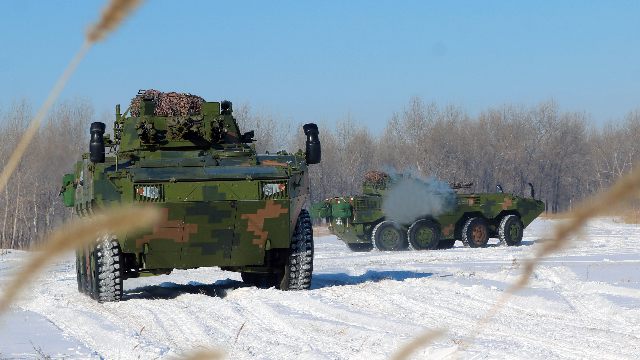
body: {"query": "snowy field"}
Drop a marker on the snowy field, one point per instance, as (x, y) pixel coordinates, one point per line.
(583, 303)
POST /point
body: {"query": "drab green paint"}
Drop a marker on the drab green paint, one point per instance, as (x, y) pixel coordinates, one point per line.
(215, 193)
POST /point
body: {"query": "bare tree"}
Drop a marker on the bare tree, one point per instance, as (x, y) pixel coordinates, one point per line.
(559, 152)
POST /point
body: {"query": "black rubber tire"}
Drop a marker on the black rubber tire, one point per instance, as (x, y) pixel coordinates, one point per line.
(82, 271)
(85, 285)
(260, 280)
(89, 272)
(79, 269)
(475, 233)
(446, 244)
(388, 236)
(360, 247)
(92, 282)
(299, 266)
(107, 271)
(424, 235)
(249, 278)
(510, 230)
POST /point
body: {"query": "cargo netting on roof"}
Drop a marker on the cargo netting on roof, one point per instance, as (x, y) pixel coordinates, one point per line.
(376, 176)
(167, 104)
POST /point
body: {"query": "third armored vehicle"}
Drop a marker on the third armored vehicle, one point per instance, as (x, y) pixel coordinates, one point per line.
(222, 204)
(365, 220)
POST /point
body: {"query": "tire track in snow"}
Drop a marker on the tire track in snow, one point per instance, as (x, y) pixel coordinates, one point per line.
(362, 306)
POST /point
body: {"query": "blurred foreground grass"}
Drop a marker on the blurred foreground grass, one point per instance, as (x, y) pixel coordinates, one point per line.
(82, 232)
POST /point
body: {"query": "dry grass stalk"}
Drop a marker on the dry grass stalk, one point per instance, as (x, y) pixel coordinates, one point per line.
(417, 343)
(238, 334)
(112, 16)
(81, 232)
(625, 189)
(119, 221)
(14, 160)
(73, 236)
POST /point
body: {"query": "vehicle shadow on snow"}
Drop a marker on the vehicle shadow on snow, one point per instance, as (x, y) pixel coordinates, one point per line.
(320, 281)
(170, 290)
(530, 242)
(495, 243)
(220, 289)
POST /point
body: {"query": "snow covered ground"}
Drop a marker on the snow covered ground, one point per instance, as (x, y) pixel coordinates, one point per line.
(583, 303)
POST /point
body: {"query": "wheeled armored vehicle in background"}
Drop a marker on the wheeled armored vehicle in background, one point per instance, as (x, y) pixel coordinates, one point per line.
(222, 204)
(364, 221)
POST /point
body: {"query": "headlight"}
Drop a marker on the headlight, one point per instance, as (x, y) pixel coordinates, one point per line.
(149, 191)
(270, 189)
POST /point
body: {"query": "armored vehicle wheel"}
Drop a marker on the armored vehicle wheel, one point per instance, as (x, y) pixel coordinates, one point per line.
(85, 275)
(446, 244)
(79, 268)
(107, 271)
(257, 279)
(82, 271)
(357, 247)
(261, 280)
(299, 266)
(248, 278)
(388, 236)
(510, 230)
(424, 235)
(475, 233)
(91, 275)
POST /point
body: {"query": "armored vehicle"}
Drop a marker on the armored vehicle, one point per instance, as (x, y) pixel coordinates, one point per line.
(222, 204)
(365, 221)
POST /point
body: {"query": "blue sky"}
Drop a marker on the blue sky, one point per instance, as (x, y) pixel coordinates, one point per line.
(319, 61)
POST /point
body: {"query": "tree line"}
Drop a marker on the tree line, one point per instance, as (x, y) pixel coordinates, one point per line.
(29, 204)
(563, 154)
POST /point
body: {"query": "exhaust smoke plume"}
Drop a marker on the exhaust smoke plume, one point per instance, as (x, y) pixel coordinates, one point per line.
(411, 199)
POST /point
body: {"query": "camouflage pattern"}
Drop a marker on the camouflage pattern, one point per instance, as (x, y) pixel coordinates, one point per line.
(222, 204)
(359, 215)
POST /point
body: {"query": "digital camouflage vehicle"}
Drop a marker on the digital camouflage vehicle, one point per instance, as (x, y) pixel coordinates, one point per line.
(222, 203)
(362, 222)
